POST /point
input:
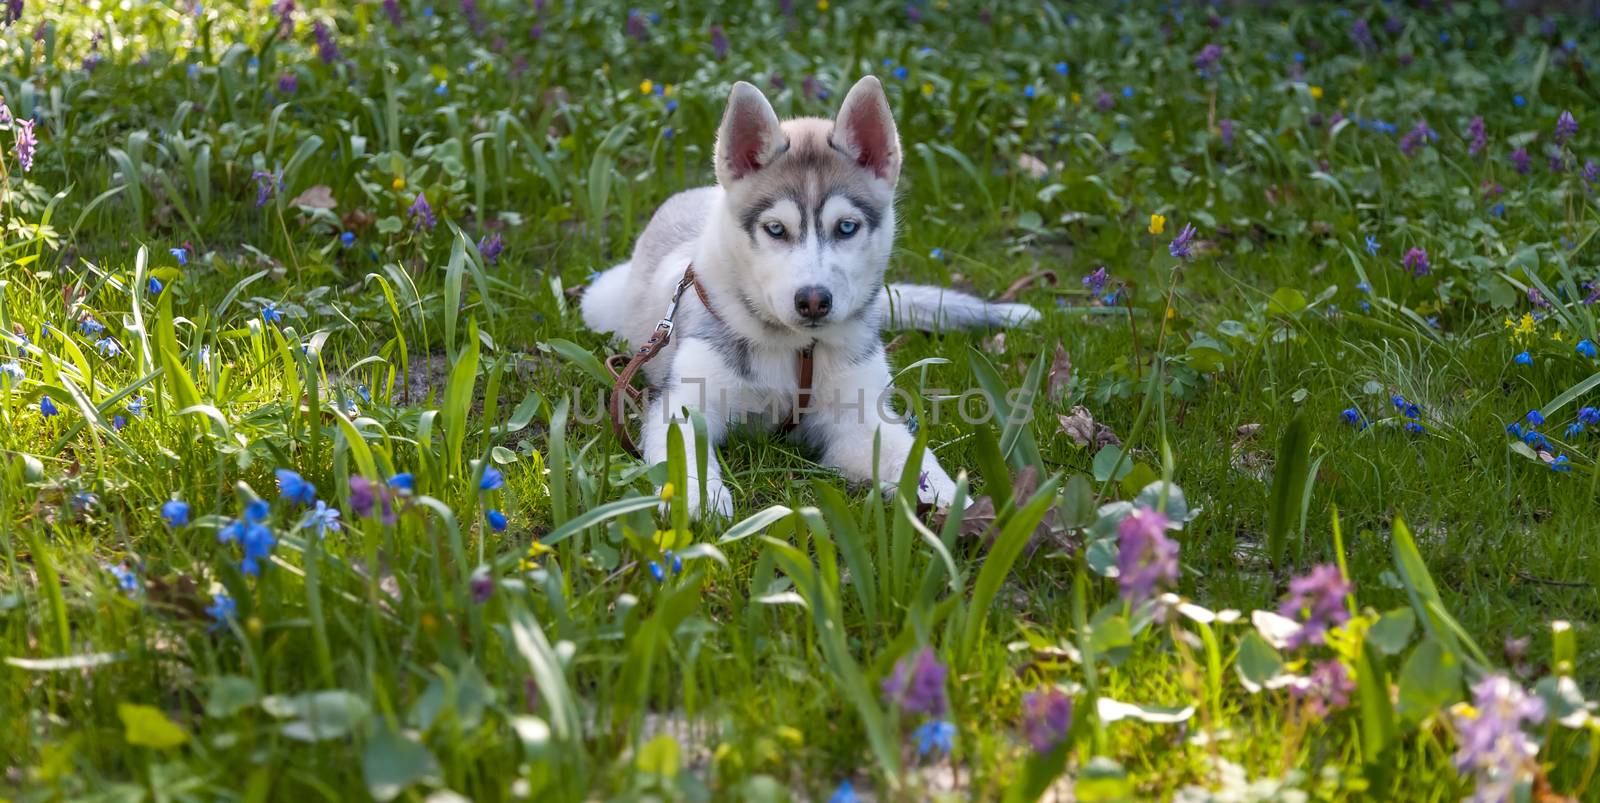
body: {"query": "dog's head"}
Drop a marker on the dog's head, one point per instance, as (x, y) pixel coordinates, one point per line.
(813, 204)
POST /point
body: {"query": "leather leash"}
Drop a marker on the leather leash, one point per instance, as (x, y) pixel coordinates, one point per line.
(623, 388)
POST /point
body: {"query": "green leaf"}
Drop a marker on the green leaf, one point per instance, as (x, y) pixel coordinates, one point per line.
(230, 694)
(1286, 301)
(147, 726)
(659, 756)
(1390, 634)
(754, 524)
(1138, 477)
(1429, 681)
(1288, 487)
(1102, 780)
(1107, 460)
(1258, 664)
(317, 716)
(394, 761)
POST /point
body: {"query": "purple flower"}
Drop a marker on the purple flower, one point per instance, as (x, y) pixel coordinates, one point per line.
(1096, 281)
(1490, 742)
(1480, 139)
(13, 12)
(719, 42)
(1537, 298)
(1566, 127)
(392, 8)
(1361, 34)
(1416, 261)
(1046, 718)
(421, 213)
(1327, 689)
(1225, 130)
(1183, 244)
(1419, 135)
(813, 88)
(913, 14)
(288, 83)
(482, 587)
(1104, 101)
(1591, 172)
(490, 247)
(1146, 557)
(327, 49)
(1318, 597)
(917, 684)
(636, 27)
(469, 9)
(284, 11)
(266, 184)
(1520, 161)
(1208, 58)
(27, 143)
(363, 495)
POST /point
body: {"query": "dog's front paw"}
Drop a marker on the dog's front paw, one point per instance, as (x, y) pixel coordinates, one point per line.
(718, 502)
(936, 488)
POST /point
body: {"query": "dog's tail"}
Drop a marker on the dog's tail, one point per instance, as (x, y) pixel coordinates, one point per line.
(937, 309)
(604, 302)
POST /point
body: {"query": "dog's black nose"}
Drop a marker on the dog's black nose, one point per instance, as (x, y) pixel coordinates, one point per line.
(813, 302)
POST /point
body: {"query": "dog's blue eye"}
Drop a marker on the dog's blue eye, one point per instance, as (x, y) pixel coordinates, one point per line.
(847, 227)
(775, 229)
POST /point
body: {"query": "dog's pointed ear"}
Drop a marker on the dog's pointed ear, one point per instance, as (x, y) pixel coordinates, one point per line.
(865, 129)
(749, 138)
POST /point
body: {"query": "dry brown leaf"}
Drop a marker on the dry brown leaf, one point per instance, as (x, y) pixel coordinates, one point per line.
(318, 197)
(1060, 374)
(1081, 427)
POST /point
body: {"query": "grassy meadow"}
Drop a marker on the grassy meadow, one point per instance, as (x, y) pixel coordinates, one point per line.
(305, 491)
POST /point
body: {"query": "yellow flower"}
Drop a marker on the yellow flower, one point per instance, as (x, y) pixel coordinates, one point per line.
(927, 89)
(536, 550)
(1077, 98)
(1171, 313)
(253, 625)
(1158, 224)
(1522, 329)
(666, 492)
(822, 5)
(646, 86)
(1557, 336)
(668, 90)
(399, 183)
(1316, 93)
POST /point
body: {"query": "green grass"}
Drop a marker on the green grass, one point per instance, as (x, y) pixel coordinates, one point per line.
(434, 653)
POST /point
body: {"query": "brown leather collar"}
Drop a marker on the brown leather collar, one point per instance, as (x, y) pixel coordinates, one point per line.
(623, 388)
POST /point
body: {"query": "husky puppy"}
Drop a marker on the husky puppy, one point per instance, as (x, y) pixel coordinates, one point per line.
(790, 249)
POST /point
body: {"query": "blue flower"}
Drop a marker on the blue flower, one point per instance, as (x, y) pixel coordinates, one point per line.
(1535, 417)
(492, 479)
(347, 239)
(175, 512)
(441, 90)
(1561, 464)
(256, 511)
(1498, 210)
(1372, 245)
(136, 406)
(293, 487)
(935, 734)
(222, 609)
(1028, 91)
(1575, 429)
(1519, 100)
(1364, 287)
(47, 408)
(657, 572)
(844, 794)
(258, 542)
(107, 347)
(1412, 411)
(497, 520)
(1523, 359)
(1514, 430)
(1062, 68)
(180, 254)
(127, 579)
(937, 253)
(118, 421)
(153, 287)
(322, 519)
(403, 482)
(677, 563)
(1415, 428)
(901, 73)
(1589, 415)
(270, 313)
(12, 373)
(91, 327)
(1586, 348)
(1352, 416)
(1535, 439)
